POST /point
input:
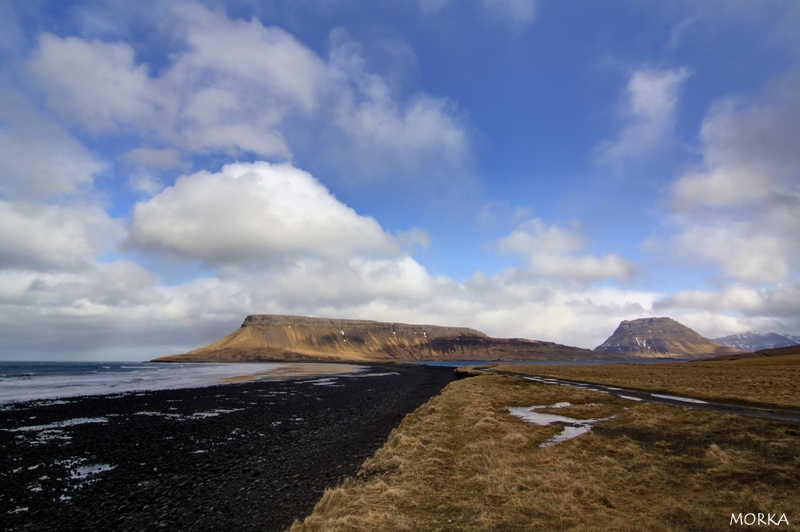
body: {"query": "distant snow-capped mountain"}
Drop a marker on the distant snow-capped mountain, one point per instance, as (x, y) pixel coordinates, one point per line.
(756, 341)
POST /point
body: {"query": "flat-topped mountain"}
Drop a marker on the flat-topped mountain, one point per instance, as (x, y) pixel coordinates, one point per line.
(661, 338)
(296, 338)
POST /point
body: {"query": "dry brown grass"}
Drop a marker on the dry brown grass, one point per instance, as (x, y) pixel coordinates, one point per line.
(462, 462)
(771, 381)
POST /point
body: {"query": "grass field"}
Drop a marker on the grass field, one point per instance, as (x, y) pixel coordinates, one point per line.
(763, 380)
(462, 462)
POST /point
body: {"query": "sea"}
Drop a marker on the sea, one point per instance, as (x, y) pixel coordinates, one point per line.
(31, 381)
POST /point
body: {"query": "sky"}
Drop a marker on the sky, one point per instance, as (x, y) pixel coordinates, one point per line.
(529, 168)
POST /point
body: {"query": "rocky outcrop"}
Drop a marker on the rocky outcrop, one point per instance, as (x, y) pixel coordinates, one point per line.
(296, 338)
(661, 338)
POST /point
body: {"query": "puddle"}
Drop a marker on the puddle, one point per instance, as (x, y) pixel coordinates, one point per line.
(617, 391)
(678, 398)
(88, 471)
(572, 427)
(630, 398)
(87, 474)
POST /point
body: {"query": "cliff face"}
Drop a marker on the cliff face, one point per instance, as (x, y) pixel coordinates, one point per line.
(661, 338)
(295, 338)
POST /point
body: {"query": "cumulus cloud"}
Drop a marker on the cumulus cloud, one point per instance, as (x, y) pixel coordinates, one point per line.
(97, 84)
(315, 256)
(38, 158)
(738, 208)
(648, 111)
(48, 237)
(743, 251)
(731, 298)
(370, 133)
(121, 308)
(254, 212)
(737, 308)
(229, 90)
(233, 86)
(750, 154)
(551, 251)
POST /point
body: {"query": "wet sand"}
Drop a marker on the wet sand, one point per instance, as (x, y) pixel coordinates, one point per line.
(247, 456)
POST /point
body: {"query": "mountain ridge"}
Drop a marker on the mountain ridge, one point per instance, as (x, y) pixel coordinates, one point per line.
(275, 337)
(758, 341)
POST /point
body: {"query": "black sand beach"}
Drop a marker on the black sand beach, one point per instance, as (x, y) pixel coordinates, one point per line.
(247, 456)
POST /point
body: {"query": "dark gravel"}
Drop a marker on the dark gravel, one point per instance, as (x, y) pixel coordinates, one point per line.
(249, 456)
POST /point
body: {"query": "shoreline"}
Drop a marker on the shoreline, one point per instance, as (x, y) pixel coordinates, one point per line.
(253, 455)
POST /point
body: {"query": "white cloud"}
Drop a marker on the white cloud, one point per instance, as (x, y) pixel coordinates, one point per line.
(513, 12)
(315, 256)
(44, 237)
(145, 183)
(254, 212)
(39, 159)
(751, 154)
(738, 208)
(241, 51)
(552, 252)
(734, 297)
(522, 11)
(413, 237)
(744, 254)
(651, 99)
(228, 91)
(375, 135)
(154, 158)
(233, 86)
(737, 308)
(97, 84)
(90, 291)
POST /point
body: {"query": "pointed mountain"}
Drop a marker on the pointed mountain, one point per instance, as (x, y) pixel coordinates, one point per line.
(661, 338)
(297, 338)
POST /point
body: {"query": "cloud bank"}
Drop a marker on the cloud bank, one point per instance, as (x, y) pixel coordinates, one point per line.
(149, 201)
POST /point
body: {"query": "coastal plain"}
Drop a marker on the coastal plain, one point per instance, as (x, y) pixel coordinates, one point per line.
(253, 455)
(464, 462)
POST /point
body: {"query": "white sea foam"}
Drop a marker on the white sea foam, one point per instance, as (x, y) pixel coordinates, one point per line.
(329, 381)
(148, 377)
(60, 424)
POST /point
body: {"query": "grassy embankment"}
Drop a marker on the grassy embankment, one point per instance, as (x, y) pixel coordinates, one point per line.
(461, 462)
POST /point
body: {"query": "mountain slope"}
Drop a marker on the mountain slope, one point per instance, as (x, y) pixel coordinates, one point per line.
(296, 338)
(661, 338)
(756, 341)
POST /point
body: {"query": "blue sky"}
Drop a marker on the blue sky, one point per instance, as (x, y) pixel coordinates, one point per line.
(530, 168)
